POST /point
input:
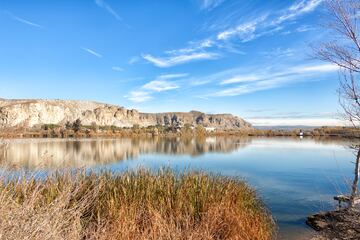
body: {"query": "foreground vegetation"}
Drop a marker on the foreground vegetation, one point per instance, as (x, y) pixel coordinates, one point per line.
(132, 205)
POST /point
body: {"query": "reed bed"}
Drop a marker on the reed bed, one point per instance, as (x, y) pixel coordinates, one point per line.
(132, 205)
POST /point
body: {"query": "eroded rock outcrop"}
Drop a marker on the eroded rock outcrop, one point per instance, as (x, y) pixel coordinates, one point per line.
(32, 113)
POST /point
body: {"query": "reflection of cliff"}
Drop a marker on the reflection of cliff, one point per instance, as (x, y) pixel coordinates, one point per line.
(85, 153)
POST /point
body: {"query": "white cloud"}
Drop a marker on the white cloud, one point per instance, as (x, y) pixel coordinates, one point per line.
(266, 24)
(103, 4)
(270, 74)
(92, 52)
(305, 6)
(304, 28)
(174, 75)
(134, 60)
(160, 86)
(237, 79)
(210, 4)
(244, 89)
(244, 31)
(24, 21)
(298, 9)
(139, 96)
(268, 79)
(263, 25)
(280, 52)
(196, 46)
(117, 69)
(176, 60)
(316, 68)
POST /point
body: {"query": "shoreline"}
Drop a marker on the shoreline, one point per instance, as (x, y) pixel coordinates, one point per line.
(337, 224)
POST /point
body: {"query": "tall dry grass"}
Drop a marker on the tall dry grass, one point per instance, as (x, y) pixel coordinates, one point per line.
(133, 205)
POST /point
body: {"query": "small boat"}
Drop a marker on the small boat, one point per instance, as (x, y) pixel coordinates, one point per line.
(301, 134)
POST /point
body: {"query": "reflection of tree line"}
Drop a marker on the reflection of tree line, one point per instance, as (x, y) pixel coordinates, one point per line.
(61, 153)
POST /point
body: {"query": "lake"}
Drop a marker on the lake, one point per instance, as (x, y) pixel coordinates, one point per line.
(294, 177)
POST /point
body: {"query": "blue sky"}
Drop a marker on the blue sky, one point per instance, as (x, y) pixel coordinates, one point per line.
(248, 58)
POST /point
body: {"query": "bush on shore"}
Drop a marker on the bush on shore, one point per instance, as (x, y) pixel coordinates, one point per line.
(132, 205)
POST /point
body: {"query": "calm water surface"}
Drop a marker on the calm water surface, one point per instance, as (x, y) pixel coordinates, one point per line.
(294, 177)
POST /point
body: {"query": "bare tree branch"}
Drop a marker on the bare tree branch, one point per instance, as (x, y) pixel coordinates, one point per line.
(344, 51)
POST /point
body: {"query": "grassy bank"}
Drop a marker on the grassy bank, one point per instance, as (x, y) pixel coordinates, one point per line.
(132, 205)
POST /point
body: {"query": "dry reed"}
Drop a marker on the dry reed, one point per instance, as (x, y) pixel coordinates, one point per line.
(132, 205)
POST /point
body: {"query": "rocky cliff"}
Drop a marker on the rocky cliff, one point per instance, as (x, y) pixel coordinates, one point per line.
(32, 113)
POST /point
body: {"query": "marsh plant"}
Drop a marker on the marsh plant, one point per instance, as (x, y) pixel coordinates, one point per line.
(132, 205)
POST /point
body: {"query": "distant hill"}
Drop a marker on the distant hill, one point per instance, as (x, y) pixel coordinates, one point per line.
(36, 112)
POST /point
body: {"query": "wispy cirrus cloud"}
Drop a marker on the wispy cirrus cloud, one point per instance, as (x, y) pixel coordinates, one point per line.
(269, 23)
(246, 31)
(269, 79)
(304, 28)
(267, 75)
(133, 60)
(210, 4)
(22, 20)
(164, 62)
(241, 78)
(161, 83)
(139, 96)
(117, 69)
(297, 9)
(322, 68)
(92, 52)
(108, 8)
(280, 52)
(172, 76)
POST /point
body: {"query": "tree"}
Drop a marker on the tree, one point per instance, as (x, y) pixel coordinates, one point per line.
(94, 127)
(68, 125)
(136, 127)
(187, 129)
(343, 50)
(200, 131)
(76, 126)
(160, 128)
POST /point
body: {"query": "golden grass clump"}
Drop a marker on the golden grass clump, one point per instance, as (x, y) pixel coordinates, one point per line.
(132, 205)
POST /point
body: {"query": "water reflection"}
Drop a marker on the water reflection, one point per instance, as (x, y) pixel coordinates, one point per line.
(35, 154)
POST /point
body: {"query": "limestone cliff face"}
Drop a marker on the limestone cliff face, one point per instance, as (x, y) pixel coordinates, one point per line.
(31, 113)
